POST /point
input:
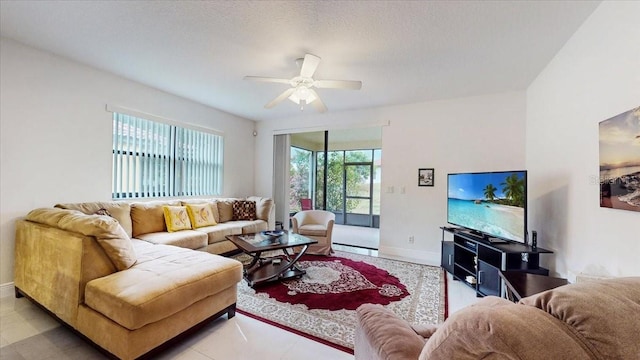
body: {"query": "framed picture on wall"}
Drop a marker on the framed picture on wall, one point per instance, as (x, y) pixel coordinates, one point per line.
(620, 161)
(425, 177)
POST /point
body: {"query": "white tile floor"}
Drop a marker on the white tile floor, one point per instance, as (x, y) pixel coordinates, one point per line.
(356, 236)
(239, 338)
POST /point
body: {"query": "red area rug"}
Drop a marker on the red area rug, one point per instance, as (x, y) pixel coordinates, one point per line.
(336, 283)
(321, 305)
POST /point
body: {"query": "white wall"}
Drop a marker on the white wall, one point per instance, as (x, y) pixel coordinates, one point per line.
(594, 77)
(56, 134)
(470, 134)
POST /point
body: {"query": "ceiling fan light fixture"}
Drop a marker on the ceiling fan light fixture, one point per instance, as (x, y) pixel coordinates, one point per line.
(302, 93)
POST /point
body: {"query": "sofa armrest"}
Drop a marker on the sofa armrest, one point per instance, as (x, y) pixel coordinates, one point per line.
(271, 222)
(265, 210)
(425, 330)
(52, 266)
(330, 229)
(381, 334)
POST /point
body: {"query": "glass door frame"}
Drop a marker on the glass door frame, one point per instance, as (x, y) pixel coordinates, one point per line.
(346, 196)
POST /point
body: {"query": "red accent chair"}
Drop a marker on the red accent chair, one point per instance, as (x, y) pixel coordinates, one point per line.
(305, 204)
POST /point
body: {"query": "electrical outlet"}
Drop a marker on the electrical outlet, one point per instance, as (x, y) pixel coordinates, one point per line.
(411, 239)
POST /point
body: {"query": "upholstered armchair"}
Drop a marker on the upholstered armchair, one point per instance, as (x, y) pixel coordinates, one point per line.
(315, 224)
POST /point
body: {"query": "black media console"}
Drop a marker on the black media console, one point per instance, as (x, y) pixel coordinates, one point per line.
(477, 262)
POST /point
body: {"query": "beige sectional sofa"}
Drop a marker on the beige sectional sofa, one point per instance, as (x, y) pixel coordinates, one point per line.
(122, 280)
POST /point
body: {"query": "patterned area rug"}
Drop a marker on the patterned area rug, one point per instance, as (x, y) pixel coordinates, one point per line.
(321, 305)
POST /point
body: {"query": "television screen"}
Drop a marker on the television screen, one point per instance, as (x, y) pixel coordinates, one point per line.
(493, 203)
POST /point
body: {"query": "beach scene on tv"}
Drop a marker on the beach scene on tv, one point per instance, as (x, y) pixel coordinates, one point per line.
(493, 203)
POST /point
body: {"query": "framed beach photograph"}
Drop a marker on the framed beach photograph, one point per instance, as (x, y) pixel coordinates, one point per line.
(620, 161)
(425, 177)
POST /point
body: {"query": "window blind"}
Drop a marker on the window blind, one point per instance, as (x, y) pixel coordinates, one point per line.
(153, 159)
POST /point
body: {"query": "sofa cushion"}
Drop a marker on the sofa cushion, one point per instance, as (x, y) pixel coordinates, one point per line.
(244, 210)
(176, 218)
(225, 210)
(605, 313)
(263, 206)
(312, 230)
(103, 212)
(148, 217)
(118, 248)
(165, 280)
(495, 328)
(108, 232)
(218, 232)
(120, 211)
(201, 215)
(189, 239)
(250, 227)
(214, 208)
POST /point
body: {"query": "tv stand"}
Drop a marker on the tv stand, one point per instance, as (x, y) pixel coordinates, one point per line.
(493, 240)
(477, 262)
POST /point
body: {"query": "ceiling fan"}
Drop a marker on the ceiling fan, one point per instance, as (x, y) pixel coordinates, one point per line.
(301, 91)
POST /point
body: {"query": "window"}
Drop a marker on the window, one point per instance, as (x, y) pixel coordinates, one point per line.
(300, 177)
(154, 159)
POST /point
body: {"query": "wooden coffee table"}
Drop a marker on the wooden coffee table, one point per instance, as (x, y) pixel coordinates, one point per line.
(264, 269)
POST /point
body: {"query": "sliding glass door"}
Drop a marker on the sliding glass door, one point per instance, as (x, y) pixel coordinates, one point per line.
(352, 186)
(342, 180)
(361, 207)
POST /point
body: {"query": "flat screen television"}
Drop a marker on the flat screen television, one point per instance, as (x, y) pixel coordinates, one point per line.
(491, 204)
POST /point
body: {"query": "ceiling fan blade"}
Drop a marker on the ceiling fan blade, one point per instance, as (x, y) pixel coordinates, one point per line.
(280, 98)
(338, 84)
(317, 103)
(267, 79)
(309, 65)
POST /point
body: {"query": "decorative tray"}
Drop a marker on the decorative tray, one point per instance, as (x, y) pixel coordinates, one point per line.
(273, 233)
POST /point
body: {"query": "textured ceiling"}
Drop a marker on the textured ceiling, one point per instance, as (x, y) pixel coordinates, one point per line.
(402, 51)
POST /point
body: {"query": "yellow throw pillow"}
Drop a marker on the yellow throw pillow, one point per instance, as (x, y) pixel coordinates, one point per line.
(201, 215)
(176, 218)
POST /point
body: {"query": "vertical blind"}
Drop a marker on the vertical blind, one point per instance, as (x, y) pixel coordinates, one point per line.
(153, 159)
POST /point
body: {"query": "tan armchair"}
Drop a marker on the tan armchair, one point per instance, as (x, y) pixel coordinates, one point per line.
(592, 320)
(315, 224)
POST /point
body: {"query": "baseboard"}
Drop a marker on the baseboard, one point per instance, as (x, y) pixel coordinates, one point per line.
(7, 289)
(410, 255)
